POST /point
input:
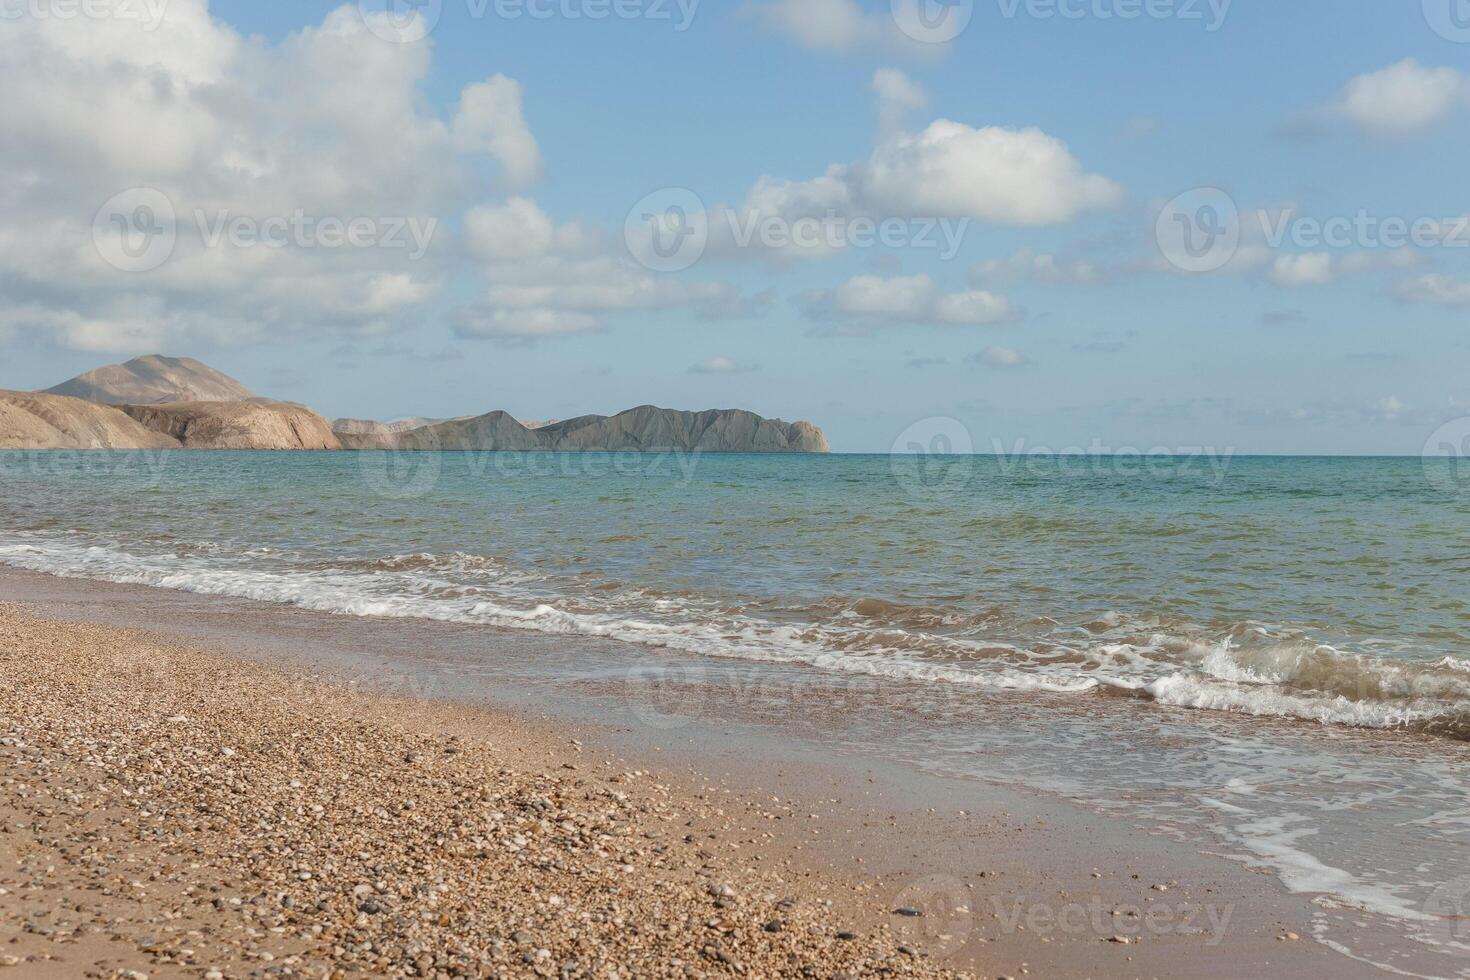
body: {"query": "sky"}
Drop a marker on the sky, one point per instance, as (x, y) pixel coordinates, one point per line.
(1033, 224)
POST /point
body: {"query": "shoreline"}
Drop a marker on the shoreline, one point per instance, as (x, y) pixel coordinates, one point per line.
(1044, 887)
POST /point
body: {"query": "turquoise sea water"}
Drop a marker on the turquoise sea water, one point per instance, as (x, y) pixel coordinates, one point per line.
(1273, 653)
(1336, 590)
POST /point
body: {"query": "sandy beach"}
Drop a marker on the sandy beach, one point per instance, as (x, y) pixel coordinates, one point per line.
(172, 809)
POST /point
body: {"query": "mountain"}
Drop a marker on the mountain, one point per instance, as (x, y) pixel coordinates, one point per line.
(645, 429)
(255, 424)
(158, 402)
(37, 421)
(153, 380)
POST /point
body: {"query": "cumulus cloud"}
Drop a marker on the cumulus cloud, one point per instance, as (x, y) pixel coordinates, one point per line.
(1027, 265)
(722, 365)
(938, 180)
(546, 279)
(1003, 358)
(325, 127)
(906, 299)
(490, 121)
(1435, 288)
(1307, 269)
(1020, 177)
(844, 26)
(1402, 99)
(490, 322)
(898, 96)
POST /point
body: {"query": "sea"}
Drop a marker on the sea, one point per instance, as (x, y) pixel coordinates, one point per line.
(1269, 656)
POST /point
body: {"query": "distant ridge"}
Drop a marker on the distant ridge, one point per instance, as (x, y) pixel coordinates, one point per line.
(153, 380)
(158, 402)
(644, 429)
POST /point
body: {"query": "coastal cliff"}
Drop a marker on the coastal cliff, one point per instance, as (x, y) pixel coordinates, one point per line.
(29, 420)
(644, 429)
(158, 402)
(254, 424)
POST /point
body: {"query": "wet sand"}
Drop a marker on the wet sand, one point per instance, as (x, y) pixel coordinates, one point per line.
(162, 777)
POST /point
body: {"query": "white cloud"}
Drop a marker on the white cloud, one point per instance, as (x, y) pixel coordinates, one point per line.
(1435, 288)
(1046, 270)
(1307, 269)
(949, 174)
(1402, 99)
(897, 97)
(1014, 177)
(837, 25)
(515, 229)
(525, 323)
(329, 123)
(906, 299)
(844, 26)
(722, 365)
(490, 120)
(999, 357)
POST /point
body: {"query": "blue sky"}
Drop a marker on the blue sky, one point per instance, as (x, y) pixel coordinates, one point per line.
(1058, 322)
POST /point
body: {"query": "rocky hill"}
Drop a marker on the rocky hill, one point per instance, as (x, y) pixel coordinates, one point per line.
(158, 402)
(645, 429)
(153, 380)
(255, 424)
(36, 421)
